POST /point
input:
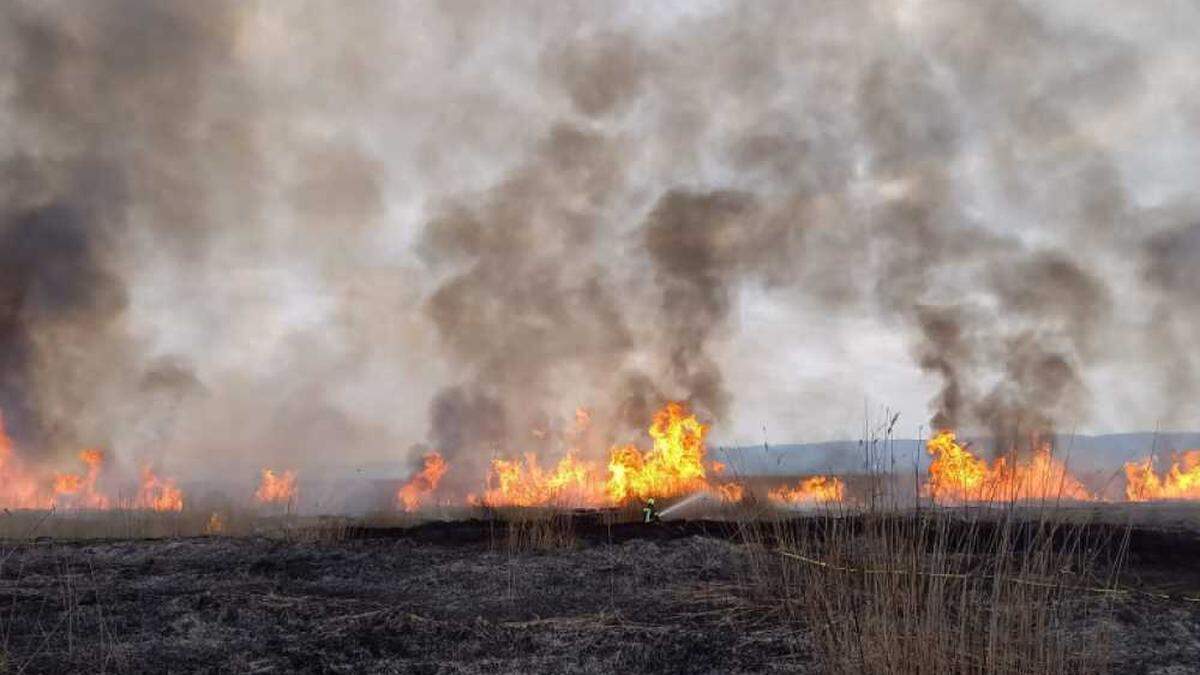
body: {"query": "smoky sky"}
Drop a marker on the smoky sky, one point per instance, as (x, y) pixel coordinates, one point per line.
(317, 234)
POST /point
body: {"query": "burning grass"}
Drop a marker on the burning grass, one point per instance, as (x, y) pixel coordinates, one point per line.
(956, 475)
(276, 488)
(1180, 482)
(814, 490)
(414, 493)
(675, 465)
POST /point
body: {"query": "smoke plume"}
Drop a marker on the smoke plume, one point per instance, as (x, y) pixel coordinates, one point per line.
(314, 235)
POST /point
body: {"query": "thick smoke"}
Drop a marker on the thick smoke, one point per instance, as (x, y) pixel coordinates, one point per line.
(1169, 266)
(528, 312)
(52, 276)
(314, 235)
(101, 106)
(1007, 323)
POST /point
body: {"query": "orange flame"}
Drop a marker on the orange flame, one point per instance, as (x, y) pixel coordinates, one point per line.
(18, 488)
(1181, 481)
(276, 488)
(215, 524)
(957, 475)
(80, 490)
(158, 494)
(412, 493)
(515, 483)
(673, 466)
(812, 490)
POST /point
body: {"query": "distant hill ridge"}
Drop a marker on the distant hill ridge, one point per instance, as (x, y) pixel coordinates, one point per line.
(1083, 453)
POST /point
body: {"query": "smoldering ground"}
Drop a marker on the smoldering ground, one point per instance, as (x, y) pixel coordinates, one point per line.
(319, 234)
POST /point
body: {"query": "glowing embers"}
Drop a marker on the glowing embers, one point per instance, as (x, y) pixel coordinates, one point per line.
(276, 488)
(411, 495)
(1180, 482)
(958, 476)
(811, 491)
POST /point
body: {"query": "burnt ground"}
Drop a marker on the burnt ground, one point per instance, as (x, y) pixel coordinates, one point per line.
(385, 604)
(454, 598)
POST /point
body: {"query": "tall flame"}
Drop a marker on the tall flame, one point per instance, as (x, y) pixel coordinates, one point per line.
(956, 475)
(412, 493)
(673, 466)
(1181, 481)
(276, 488)
(812, 490)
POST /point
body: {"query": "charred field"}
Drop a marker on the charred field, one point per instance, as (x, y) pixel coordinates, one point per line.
(578, 592)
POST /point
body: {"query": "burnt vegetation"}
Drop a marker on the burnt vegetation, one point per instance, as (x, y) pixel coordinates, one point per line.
(593, 592)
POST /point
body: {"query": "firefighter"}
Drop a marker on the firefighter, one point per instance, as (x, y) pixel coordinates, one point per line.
(649, 512)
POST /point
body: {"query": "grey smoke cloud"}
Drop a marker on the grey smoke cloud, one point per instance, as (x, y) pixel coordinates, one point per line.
(311, 235)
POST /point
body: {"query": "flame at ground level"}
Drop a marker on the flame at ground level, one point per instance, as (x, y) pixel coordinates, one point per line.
(276, 488)
(571, 482)
(1181, 481)
(19, 489)
(24, 487)
(412, 493)
(812, 490)
(158, 494)
(674, 465)
(956, 476)
(215, 524)
(79, 490)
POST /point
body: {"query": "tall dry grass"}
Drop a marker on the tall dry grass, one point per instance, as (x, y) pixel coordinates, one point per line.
(894, 584)
(992, 590)
(535, 529)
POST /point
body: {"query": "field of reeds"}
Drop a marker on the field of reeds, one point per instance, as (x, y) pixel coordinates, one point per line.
(1000, 588)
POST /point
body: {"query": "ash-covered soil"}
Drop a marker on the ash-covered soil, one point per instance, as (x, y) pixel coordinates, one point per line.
(386, 605)
(453, 598)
